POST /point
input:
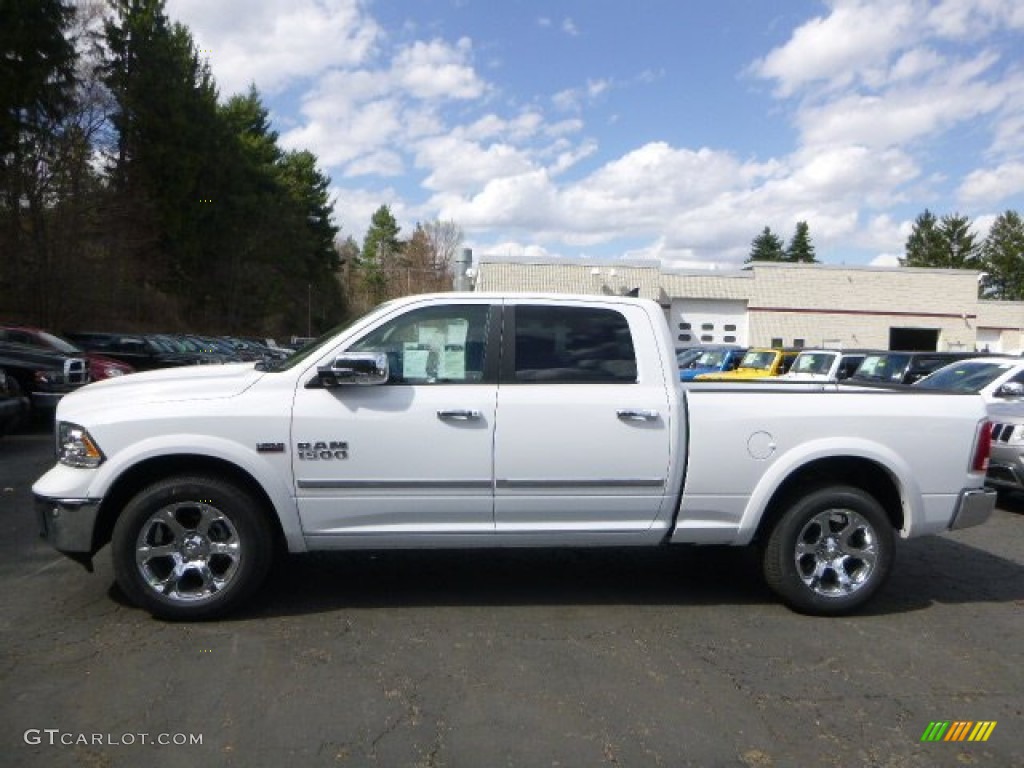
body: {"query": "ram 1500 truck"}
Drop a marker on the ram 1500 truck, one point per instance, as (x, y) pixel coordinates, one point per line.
(483, 420)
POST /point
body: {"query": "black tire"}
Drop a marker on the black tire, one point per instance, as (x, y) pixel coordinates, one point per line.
(830, 551)
(191, 548)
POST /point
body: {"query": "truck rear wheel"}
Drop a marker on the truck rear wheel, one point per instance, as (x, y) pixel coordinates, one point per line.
(831, 550)
(191, 547)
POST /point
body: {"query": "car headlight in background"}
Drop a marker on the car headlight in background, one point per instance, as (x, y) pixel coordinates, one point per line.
(110, 372)
(76, 448)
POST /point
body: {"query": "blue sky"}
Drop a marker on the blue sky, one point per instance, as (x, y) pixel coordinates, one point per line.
(654, 129)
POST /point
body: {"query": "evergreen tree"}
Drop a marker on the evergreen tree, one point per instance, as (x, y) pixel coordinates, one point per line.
(169, 152)
(381, 250)
(945, 244)
(766, 247)
(1002, 256)
(37, 80)
(800, 248)
(961, 244)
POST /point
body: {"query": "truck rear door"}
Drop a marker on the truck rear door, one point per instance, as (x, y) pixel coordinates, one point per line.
(583, 434)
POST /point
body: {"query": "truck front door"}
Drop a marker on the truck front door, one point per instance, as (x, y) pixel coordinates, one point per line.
(413, 455)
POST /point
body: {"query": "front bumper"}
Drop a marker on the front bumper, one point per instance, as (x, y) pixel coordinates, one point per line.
(974, 508)
(68, 524)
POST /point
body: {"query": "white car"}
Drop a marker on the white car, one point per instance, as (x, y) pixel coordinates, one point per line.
(996, 379)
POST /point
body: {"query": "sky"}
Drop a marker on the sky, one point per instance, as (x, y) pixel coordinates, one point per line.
(668, 130)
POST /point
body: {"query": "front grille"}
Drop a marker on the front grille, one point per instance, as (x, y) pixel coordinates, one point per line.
(75, 371)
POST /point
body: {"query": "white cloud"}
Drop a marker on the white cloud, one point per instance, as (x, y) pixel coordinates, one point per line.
(436, 70)
(993, 185)
(832, 49)
(272, 43)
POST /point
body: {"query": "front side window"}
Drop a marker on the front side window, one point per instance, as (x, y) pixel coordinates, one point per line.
(432, 345)
(573, 345)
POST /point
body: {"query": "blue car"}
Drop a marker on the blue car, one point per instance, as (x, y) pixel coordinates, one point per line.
(712, 359)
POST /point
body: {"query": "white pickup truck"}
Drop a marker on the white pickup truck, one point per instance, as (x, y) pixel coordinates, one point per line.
(476, 420)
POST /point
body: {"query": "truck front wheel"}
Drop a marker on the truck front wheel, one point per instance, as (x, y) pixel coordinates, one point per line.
(191, 547)
(831, 550)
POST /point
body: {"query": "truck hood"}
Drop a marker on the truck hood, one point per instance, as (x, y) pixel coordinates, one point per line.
(195, 382)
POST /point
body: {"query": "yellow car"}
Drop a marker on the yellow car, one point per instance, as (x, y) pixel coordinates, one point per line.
(757, 363)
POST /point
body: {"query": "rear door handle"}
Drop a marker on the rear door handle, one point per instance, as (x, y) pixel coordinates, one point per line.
(636, 414)
(458, 414)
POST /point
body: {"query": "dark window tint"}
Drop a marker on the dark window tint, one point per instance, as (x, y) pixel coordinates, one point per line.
(573, 345)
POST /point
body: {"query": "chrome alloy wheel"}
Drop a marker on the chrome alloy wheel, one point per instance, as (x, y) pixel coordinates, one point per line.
(188, 551)
(836, 552)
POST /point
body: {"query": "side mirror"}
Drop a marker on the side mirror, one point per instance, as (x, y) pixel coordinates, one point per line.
(1010, 389)
(365, 369)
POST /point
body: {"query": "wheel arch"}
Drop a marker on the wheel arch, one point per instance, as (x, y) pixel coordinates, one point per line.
(856, 471)
(150, 470)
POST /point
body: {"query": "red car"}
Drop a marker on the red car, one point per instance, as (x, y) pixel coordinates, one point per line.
(100, 367)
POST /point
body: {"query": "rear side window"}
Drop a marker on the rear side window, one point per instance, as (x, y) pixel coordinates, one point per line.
(572, 345)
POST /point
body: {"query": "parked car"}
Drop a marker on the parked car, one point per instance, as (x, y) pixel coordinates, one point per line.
(825, 364)
(757, 363)
(141, 351)
(1006, 460)
(686, 355)
(14, 405)
(903, 367)
(42, 375)
(100, 366)
(994, 378)
(712, 359)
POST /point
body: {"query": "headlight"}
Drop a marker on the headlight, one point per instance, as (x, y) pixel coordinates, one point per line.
(110, 372)
(76, 448)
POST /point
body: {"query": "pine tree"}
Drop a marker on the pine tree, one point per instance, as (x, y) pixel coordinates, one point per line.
(800, 247)
(381, 249)
(766, 247)
(37, 80)
(1002, 256)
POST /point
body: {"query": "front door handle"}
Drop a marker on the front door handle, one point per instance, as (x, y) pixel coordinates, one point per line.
(636, 414)
(458, 414)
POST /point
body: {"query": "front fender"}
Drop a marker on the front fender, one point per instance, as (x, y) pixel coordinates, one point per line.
(271, 471)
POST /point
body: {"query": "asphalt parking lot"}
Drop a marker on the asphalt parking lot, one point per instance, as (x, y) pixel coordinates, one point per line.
(533, 658)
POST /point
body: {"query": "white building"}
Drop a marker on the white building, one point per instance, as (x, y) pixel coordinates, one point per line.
(784, 304)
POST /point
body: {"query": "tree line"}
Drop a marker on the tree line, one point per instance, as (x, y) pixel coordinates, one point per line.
(950, 243)
(133, 197)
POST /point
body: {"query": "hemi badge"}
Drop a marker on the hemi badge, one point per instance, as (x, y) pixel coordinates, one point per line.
(270, 447)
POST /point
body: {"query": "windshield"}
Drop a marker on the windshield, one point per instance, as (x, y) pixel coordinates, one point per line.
(814, 362)
(965, 376)
(761, 361)
(883, 367)
(710, 359)
(59, 344)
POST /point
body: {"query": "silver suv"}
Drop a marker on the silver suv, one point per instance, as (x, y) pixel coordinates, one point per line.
(1006, 464)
